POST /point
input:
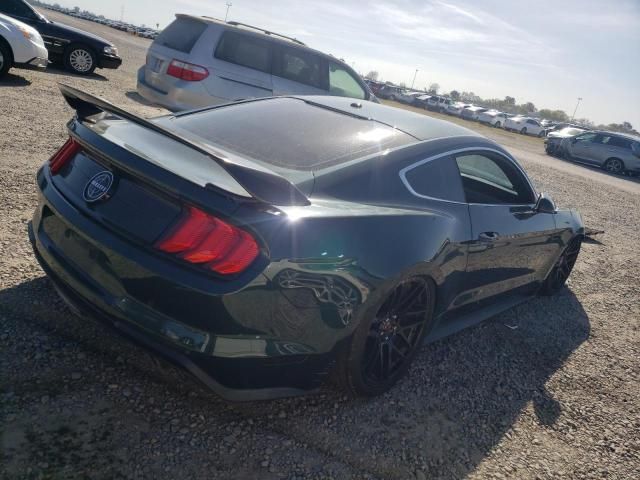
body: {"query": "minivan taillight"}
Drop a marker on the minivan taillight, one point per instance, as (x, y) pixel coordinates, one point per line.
(203, 239)
(187, 71)
(62, 156)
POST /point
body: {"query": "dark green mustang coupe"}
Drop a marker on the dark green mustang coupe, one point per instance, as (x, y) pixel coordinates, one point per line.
(268, 244)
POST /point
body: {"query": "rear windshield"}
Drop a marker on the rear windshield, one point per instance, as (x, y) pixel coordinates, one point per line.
(291, 134)
(182, 34)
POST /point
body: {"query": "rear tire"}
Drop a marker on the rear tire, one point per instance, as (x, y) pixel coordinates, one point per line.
(497, 125)
(80, 59)
(6, 58)
(391, 328)
(614, 165)
(523, 131)
(560, 272)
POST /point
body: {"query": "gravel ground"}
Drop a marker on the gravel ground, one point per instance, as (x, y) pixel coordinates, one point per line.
(546, 390)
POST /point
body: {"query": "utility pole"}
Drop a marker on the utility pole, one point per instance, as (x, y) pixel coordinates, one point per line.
(576, 109)
(229, 5)
(414, 79)
(122, 13)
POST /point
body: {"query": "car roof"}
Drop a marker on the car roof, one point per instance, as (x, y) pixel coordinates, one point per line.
(422, 127)
(628, 136)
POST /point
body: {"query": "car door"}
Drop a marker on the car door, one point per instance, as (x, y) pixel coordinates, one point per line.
(512, 245)
(582, 147)
(299, 71)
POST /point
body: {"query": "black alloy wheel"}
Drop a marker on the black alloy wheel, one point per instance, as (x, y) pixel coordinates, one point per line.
(562, 268)
(389, 335)
(614, 165)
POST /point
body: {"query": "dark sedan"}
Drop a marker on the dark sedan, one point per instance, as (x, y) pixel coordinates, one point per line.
(267, 244)
(79, 51)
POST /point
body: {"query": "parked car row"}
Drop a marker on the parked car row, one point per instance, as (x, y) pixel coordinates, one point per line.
(118, 25)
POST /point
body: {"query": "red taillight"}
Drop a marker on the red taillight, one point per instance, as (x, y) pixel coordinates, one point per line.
(204, 239)
(62, 156)
(187, 71)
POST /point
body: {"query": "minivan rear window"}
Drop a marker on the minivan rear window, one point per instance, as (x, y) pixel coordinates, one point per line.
(182, 34)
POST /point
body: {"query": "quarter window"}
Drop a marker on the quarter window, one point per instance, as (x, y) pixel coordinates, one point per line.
(437, 178)
(302, 67)
(492, 179)
(245, 50)
(342, 83)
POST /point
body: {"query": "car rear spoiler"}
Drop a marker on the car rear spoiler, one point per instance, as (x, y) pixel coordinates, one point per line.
(262, 184)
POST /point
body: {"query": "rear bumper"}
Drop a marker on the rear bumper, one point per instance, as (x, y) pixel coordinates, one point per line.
(247, 365)
(190, 96)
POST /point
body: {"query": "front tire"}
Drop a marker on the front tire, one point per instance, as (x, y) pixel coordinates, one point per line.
(560, 272)
(388, 337)
(6, 59)
(497, 125)
(524, 131)
(80, 60)
(614, 165)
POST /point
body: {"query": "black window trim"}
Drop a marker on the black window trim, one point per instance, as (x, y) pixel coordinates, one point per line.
(453, 154)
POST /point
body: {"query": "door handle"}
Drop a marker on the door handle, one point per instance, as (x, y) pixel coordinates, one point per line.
(489, 236)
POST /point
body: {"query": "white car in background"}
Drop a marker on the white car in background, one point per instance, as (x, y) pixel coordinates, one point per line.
(526, 126)
(456, 108)
(494, 118)
(20, 46)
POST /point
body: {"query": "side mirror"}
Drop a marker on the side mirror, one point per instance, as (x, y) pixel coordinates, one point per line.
(545, 204)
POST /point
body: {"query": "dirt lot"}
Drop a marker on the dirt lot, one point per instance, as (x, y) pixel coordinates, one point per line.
(549, 389)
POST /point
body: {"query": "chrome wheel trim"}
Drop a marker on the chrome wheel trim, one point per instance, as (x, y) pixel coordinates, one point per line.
(80, 60)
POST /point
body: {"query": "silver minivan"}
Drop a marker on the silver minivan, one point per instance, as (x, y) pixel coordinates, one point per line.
(199, 61)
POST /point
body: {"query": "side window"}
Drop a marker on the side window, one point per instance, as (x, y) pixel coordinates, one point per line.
(492, 179)
(620, 142)
(301, 66)
(437, 178)
(244, 50)
(587, 137)
(342, 83)
(16, 8)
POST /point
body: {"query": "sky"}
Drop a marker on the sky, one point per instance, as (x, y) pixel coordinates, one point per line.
(546, 52)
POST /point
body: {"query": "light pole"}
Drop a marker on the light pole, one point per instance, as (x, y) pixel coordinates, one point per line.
(414, 79)
(229, 5)
(576, 109)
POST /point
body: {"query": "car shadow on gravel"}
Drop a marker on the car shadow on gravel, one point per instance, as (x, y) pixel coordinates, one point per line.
(136, 97)
(461, 398)
(11, 80)
(54, 69)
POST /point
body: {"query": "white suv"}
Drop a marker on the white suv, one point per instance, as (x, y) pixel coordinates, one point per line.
(198, 61)
(20, 46)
